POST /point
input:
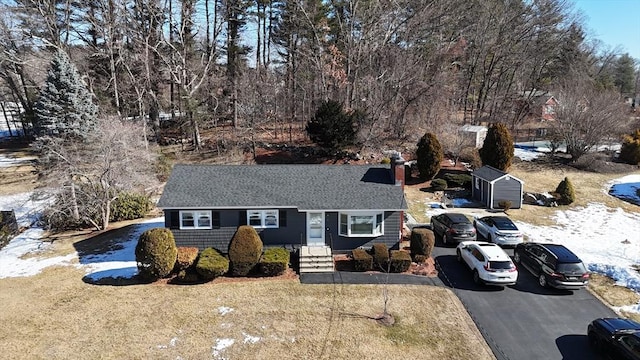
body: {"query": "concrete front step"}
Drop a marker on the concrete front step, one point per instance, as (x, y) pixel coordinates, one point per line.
(306, 251)
(317, 270)
(316, 259)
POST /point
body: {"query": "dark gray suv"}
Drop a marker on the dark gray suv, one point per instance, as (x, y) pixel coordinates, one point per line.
(553, 264)
(453, 228)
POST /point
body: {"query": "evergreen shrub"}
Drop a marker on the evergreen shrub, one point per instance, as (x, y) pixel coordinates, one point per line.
(156, 254)
(439, 184)
(421, 244)
(362, 261)
(565, 192)
(380, 254)
(400, 261)
(274, 261)
(429, 155)
(458, 180)
(211, 264)
(245, 250)
(630, 150)
(497, 149)
(187, 257)
(129, 206)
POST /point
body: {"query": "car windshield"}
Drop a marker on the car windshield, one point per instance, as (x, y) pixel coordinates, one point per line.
(500, 265)
(571, 267)
(504, 224)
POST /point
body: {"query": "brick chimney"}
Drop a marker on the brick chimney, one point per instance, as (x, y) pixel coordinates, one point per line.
(397, 169)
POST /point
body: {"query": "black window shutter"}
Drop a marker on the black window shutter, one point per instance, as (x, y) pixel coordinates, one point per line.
(282, 218)
(174, 220)
(215, 219)
(242, 217)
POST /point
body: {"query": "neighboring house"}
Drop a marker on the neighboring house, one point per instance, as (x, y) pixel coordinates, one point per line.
(476, 133)
(338, 206)
(540, 104)
(492, 186)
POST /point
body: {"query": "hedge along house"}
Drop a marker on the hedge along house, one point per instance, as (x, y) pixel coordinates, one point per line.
(492, 186)
(336, 207)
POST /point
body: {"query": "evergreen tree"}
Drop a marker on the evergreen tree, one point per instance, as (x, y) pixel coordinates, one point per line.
(429, 156)
(566, 192)
(64, 106)
(630, 151)
(624, 74)
(497, 150)
(332, 127)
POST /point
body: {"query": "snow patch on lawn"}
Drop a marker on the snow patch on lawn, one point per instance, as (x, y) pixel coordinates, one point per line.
(120, 263)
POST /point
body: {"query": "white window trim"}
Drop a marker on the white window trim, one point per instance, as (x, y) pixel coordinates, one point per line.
(355, 213)
(263, 215)
(196, 214)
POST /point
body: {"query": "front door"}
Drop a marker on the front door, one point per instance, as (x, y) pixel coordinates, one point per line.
(315, 229)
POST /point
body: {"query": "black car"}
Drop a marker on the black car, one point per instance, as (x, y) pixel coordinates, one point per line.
(452, 227)
(553, 264)
(615, 338)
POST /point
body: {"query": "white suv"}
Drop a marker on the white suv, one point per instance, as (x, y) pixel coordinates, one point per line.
(489, 263)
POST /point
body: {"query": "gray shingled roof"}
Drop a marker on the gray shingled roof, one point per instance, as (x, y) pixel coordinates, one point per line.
(490, 173)
(306, 187)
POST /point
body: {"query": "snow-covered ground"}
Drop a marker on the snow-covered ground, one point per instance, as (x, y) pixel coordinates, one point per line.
(6, 161)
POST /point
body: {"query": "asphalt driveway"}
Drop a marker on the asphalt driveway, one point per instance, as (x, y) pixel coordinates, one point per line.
(524, 321)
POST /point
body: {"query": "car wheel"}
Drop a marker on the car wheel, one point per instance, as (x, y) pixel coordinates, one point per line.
(516, 257)
(458, 256)
(542, 280)
(594, 343)
(476, 277)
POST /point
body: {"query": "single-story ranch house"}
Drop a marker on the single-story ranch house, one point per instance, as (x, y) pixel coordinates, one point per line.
(338, 207)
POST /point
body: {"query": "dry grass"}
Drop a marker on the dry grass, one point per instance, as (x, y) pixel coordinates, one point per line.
(614, 295)
(54, 315)
(589, 189)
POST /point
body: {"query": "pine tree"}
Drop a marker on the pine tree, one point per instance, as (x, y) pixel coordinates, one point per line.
(497, 150)
(630, 150)
(64, 106)
(429, 156)
(332, 127)
(566, 192)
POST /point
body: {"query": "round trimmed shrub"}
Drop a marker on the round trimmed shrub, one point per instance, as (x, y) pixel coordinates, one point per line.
(156, 254)
(274, 261)
(630, 150)
(187, 257)
(211, 264)
(245, 250)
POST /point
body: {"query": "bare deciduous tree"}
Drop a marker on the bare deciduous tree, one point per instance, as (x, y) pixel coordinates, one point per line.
(112, 160)
(588, 116)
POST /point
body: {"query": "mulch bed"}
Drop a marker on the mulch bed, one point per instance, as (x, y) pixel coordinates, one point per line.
(427, 268)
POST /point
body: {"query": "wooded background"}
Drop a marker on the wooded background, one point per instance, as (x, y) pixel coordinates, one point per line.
(410, 65)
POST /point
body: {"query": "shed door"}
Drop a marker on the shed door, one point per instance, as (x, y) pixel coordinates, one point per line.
(315, 229)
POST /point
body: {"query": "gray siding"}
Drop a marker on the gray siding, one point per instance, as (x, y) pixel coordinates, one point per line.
(291, 234)
(339, 243)
(510, 190)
